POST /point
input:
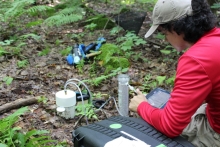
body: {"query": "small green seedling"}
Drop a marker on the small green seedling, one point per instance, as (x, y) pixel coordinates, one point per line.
(8, 80)
(44, 52)
(22, 63)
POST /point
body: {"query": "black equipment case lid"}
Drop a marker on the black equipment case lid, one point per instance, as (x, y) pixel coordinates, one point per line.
(99, 133)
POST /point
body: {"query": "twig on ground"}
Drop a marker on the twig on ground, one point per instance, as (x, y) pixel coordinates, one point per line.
(76, 123)
(17, 104)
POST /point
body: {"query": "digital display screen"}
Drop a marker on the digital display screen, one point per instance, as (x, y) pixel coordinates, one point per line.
(158, 98)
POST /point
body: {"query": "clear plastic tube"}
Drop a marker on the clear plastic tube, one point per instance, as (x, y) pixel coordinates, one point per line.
(123, 94)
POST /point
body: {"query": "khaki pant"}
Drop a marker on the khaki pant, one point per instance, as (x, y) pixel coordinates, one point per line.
(199, 132)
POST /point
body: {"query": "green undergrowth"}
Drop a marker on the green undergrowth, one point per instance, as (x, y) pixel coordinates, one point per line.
(112, 58)
(101, 21)
(12, 136)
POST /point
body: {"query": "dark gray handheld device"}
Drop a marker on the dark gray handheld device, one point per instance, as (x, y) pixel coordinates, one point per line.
(158, 97)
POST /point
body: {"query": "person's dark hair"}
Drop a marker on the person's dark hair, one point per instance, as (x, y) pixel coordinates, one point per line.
(195, 26)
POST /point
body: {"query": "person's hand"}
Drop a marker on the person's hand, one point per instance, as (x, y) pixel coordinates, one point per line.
(136, 100)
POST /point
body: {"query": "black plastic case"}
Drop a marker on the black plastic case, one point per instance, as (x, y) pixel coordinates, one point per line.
(99, 133)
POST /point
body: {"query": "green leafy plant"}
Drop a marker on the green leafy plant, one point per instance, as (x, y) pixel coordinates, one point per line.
(160, 79)
(34, 23)
(3, 145)
(136, 56)
(69, 12)
(11, 12)
(91, 26)
(127, 45)
(160, 36)
(8, 80)
(58, 42)
(66, 51)
(129, 40)
(34, 36)
(11, 50)
(170, 53)
(93, 67)
(78, 36)
(89, 110)
(115, 30)
(215, 6)
(99, 22)
(16, 51)
(6, 42)
(97, 95)
(148, 83)
(44, 52)
(111, 58)
(170, 81)
(167, 50)
(127, 2)
(10, 16)
(21, 7)
(80, 65)
(11, 136)
(21, 44)
(3, 51)
(42, 99)
(22, 63)
(96, 81)
(6, 130)
(129, 54)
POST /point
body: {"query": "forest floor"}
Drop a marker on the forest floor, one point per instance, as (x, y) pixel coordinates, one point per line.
(46, 75)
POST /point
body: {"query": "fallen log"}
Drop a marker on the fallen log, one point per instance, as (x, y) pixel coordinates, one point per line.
(17, 104)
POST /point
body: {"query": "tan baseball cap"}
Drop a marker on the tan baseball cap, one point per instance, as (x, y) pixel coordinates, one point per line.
(168, 10)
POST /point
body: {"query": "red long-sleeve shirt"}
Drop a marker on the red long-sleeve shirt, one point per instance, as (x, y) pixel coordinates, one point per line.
(197, 80)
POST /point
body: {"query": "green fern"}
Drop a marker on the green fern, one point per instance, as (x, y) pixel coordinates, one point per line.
(12, 136)
(34, 36)
(22, 63)
(89, 110)
(1, 18)
(116, 62)
(215, 6)
(98, 80)
(6, 131)
(35, 9)
(111, 57)
(67, 12)
(20, 7)
(8, 80)
(100, 21)
(71, 12)
(3, 51)
(107, 52)
(17, 8)
(61, 19)
(4, 7)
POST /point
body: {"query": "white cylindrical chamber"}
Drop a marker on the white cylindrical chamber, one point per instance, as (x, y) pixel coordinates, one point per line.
(123, 94)
(65, 98)
(66, 101)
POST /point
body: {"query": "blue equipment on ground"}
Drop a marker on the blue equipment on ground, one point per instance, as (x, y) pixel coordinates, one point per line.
(82, 52)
